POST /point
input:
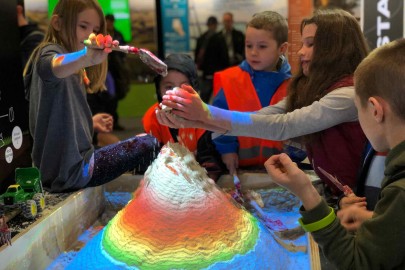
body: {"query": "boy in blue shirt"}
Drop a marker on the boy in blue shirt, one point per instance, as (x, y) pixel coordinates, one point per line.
(259, 81)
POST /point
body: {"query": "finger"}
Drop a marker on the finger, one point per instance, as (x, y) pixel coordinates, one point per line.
(183, 94)
(100, 40)
(180, 113)
(188, 88)
(361, 204)
(115, 43)
(286, 163)
(172, 102)
(180, 97)
(272, 165)
(92, 38)
(163, 119)
(159, 116)
(175, 121)
(108, 41)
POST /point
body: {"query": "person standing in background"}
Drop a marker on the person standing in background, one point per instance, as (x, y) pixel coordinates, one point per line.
(30, 37)
(119, 71)
(234, 39)
(224, 49)
(199, 57)
(30, 34)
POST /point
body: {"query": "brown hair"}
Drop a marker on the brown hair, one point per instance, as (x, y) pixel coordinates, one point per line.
(68, 11)
(339, 47)
(382, 74)
(273, 22)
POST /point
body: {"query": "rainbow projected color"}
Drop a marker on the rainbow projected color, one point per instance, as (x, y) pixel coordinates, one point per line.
(179, 219)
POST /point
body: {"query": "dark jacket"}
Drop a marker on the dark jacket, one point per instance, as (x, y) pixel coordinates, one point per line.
(216, 53)
(30, 37)
(379, 243)
(202, 42)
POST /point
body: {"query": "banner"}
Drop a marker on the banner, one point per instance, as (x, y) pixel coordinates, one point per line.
(383, 21)
(175, 26)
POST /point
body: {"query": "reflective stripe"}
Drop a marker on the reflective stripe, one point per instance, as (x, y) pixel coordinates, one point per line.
(254, 151)
(256, 154)
(241, 96)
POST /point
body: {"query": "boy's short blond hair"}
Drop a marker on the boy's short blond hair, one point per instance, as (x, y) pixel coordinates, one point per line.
(273, 22)
(382, 74)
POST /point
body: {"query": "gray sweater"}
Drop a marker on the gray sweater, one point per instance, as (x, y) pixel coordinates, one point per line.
(273, 123)
(60, 123)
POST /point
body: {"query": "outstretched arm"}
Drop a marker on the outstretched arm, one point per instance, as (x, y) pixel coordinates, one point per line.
(64, 65)
(271, 123)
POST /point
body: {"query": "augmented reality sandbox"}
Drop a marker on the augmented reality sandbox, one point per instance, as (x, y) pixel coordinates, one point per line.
(179, 219)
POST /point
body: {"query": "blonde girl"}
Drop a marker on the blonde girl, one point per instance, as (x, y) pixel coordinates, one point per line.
(57, 77)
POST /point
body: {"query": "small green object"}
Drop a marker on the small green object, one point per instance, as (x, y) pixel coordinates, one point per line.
(27, 193)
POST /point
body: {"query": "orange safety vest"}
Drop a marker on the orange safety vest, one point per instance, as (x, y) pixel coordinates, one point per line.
(241, 96)
(187, 136)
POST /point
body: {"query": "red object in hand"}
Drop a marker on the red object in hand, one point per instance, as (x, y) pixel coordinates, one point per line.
(345, 188)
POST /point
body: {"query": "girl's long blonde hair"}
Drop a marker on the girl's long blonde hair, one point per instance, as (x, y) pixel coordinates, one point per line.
(68, 11)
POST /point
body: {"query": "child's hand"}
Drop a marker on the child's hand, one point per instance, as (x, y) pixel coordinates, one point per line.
(231, 160)
(287, 174)
(186, 103)
(353, 216)
(167, 118)
(350, 200)
(98, 47)
(103, 122)
(101, 42)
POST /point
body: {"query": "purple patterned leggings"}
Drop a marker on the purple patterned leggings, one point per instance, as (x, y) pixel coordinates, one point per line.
(133, 154)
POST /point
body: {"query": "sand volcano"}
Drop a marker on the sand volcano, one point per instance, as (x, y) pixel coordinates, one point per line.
(179, 219)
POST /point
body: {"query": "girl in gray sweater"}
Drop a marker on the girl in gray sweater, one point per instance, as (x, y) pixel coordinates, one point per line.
(58, 75)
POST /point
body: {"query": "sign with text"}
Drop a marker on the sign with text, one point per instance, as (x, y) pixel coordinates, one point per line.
(383, 21)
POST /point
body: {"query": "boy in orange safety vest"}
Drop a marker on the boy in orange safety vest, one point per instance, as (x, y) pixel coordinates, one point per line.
(259, 81)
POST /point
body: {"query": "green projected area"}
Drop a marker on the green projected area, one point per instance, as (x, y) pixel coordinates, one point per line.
(120, 9)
